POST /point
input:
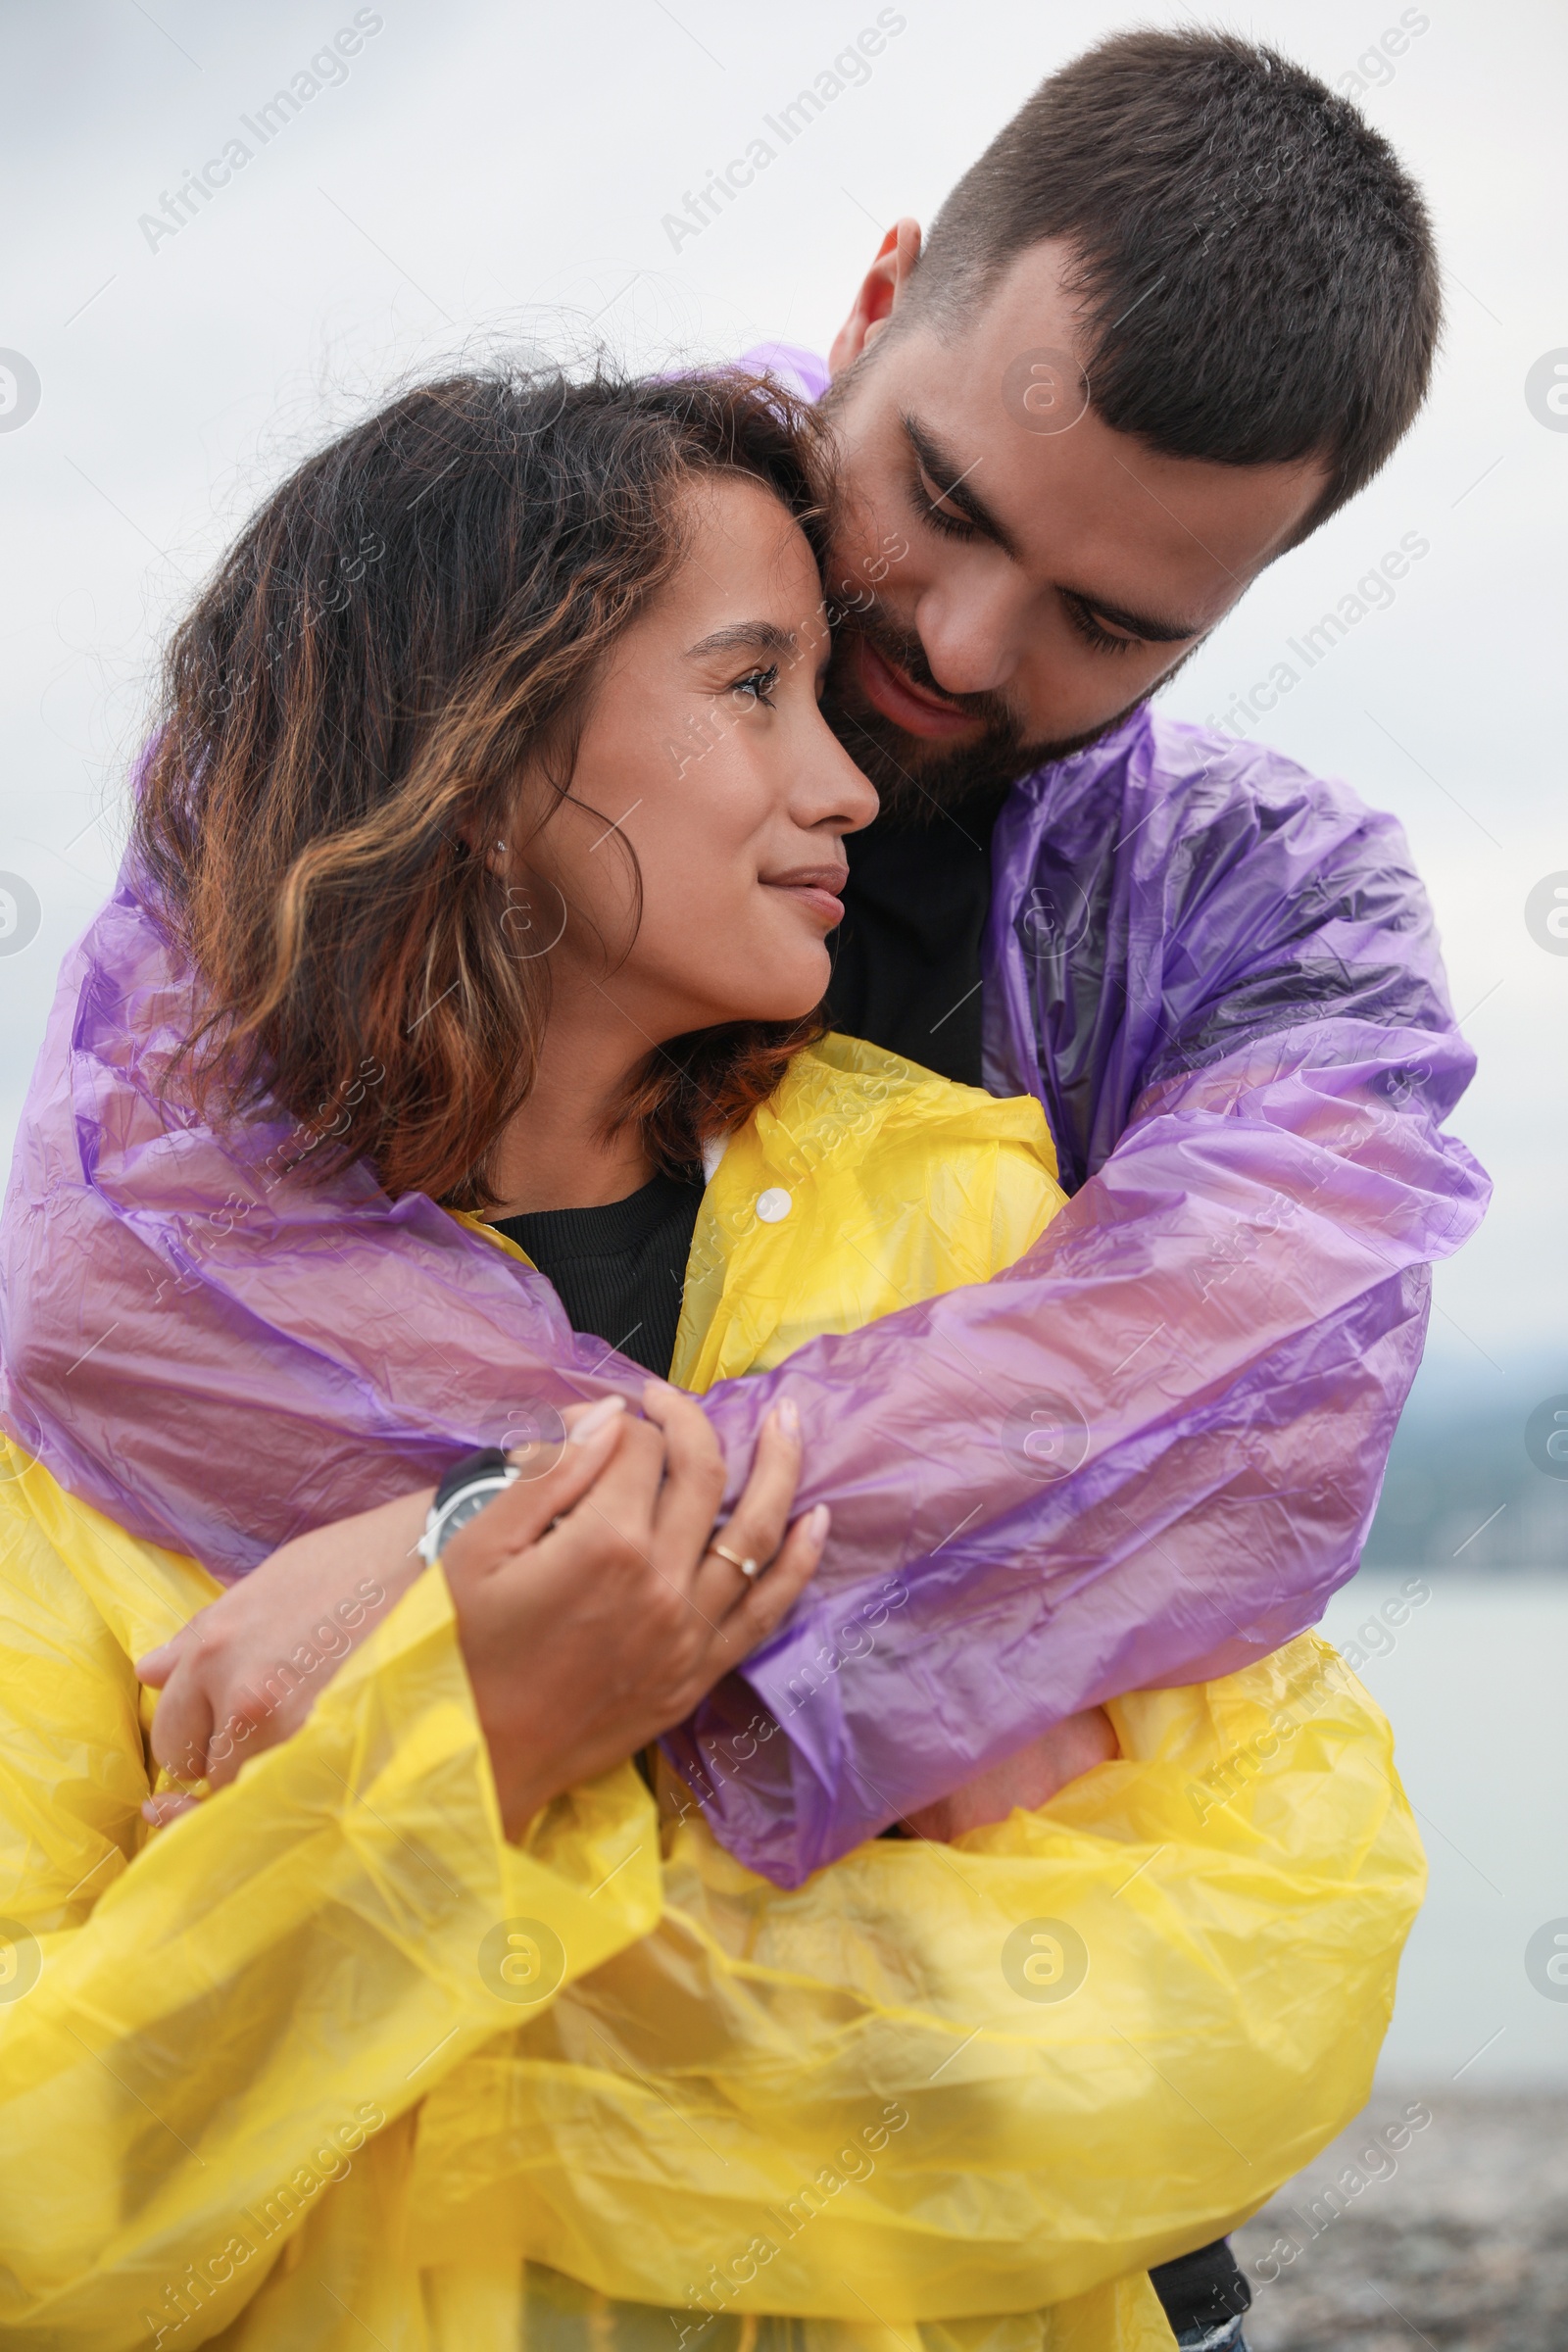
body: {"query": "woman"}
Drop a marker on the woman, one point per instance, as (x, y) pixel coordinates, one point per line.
(505, 878)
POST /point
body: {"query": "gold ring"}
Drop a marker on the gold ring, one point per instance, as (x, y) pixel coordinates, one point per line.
(747, 1568)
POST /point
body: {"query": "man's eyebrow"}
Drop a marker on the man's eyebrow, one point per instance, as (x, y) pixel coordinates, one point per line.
(1140, 625)
(745, 637)
(945, 472)
(953, 481)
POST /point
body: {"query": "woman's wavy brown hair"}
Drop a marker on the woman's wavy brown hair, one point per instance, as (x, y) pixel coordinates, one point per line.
(414, 621)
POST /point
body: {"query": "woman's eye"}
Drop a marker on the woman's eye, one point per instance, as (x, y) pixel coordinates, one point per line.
(757, 685)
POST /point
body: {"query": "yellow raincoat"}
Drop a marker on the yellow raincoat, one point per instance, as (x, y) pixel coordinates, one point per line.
(330, 2062)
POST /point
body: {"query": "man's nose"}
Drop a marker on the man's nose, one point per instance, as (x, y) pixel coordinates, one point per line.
(969, 638)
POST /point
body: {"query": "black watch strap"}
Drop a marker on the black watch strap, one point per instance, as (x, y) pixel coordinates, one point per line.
(487, 1462)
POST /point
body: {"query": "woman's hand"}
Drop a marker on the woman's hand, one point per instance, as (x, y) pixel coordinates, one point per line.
(586, 1641)
(582, 1643)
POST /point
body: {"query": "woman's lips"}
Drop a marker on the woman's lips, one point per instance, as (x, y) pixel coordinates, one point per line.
(816, 890)
(908, 707)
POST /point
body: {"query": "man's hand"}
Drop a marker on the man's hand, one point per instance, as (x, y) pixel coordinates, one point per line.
(1029, 1778)
(247, 1669)
(592, 1611)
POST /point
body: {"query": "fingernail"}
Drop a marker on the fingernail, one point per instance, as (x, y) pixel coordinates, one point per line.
(787, 1413)
(817, 1523)
(597, 1417)
(170, 1806)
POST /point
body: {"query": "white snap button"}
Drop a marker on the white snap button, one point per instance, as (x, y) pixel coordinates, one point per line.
(774, 1205)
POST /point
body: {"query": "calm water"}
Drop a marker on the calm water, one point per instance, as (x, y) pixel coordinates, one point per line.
(1474, 1685)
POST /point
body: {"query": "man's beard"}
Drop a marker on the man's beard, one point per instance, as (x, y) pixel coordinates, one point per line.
(918, 779)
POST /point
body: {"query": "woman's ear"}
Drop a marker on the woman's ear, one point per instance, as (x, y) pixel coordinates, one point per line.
(496, 853)
(879, 293)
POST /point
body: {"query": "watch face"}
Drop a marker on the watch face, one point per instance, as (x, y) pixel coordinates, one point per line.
(465, 1504)
(466, 1507)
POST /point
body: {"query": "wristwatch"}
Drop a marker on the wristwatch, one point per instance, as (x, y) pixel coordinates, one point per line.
(462, 1495)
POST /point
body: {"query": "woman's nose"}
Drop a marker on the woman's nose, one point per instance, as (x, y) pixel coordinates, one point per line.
(845, 796)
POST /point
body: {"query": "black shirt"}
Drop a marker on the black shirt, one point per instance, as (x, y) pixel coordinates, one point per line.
(907, 963)
(619, 1270)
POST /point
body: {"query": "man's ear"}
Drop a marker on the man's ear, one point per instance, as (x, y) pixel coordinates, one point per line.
(879, 293)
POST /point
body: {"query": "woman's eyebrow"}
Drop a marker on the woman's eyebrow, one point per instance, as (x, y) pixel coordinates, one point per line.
(745, 637)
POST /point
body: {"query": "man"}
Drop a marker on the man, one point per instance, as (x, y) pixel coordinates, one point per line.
(1181, 309)
(1178, 312)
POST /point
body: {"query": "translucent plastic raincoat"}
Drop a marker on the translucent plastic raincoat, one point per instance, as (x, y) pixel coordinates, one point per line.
(1147, 1455)
(328, 2061)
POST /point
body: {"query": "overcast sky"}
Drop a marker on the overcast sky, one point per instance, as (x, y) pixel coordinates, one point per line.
(477, 173)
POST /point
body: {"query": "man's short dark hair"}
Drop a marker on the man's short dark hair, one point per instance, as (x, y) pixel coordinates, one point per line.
(1259, 267)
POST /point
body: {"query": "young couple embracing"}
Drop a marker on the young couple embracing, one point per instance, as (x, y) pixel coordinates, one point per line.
(643, 891)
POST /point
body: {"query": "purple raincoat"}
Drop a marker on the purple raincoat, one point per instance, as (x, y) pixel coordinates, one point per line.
(1145, 1454)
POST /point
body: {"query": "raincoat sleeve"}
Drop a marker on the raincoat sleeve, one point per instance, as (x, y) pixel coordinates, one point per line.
(1147, 1453)
(1144, 1454)
(327, 1936)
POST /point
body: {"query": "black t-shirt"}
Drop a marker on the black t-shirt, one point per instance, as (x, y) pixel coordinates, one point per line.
(619, 1270)
(907, 960)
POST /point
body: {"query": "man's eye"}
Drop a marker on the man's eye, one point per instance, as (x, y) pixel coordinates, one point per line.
(1094, 632)
(931, 502)
(757, 685)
